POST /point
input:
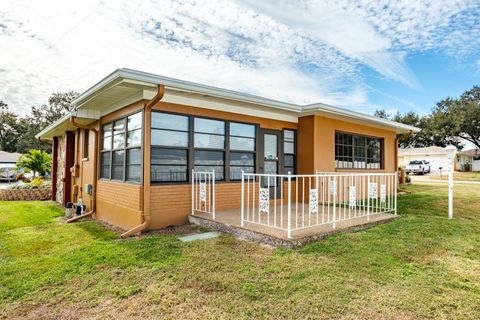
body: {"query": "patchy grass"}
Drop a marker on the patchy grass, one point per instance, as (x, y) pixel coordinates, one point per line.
(418, 267)
(459, 176)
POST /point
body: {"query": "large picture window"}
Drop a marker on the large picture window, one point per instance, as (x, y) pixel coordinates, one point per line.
(357, 152)
(182, 143)
(121, 152)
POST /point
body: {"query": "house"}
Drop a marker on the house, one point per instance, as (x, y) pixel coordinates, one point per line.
(129, 148)
(436, 156)
(8, 158)
(472, 157)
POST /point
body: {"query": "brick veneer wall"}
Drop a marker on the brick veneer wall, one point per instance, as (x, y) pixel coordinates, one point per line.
(25, 194)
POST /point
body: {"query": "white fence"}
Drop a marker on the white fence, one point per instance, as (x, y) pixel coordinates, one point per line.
(203, 192)
(295, 202)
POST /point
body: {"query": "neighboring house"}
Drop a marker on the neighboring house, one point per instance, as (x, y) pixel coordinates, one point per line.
(153, 130)
(436, 156)
(473, 158)
(8, 158)
(8, 162)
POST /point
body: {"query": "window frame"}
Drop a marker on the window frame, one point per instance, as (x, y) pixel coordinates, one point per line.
(353, 135)
(125, 148)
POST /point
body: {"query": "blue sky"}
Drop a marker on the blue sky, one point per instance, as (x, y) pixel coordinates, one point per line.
(362, 54)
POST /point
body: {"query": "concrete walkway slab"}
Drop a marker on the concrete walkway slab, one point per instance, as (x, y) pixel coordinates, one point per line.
(200, 236)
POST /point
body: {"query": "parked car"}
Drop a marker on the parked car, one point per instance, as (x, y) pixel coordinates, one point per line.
(418, 166)
(8, 172)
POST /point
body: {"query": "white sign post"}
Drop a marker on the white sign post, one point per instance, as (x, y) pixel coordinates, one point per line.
(450, 154)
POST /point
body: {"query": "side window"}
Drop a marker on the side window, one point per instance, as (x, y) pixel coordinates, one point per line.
(121, 150)
(209, 137)
(242, 149)
(86, 143)
(169, 153)
(289, 150)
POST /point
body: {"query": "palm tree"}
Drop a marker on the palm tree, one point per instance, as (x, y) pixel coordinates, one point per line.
(36, 161)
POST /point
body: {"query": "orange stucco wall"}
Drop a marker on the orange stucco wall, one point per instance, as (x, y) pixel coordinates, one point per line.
(316, 144)
(119, 203)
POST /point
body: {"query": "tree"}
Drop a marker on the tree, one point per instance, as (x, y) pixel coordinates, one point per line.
(464, 115)
(9, 130)
(381, 113)
(58, 105)
(36, 161)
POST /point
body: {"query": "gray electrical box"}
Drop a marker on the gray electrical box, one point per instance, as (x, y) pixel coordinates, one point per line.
(89, 189)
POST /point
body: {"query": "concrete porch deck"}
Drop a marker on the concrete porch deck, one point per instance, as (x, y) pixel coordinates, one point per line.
(229, 221)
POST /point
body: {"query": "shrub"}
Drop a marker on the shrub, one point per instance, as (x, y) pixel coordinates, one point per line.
(36, 161)
(37, 183)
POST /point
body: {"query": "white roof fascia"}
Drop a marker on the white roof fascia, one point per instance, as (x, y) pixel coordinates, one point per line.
(358, 115)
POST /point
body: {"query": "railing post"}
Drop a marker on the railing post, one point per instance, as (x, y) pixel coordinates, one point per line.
(396, 192)
(213, 194)
(289, 207)
(193, 192)
(368, 198)
(335, 191)
(243, 190)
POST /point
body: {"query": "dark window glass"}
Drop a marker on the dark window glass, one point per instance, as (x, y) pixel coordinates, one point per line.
(120, 136)
(289, 151)
(239, 143)
(118, 158)
(105, 165)
(134, 164)
(86, 142)
(169, 165)
(359, 152)
(168, 173)
(241, 161)
(169, 156)
(210, 160)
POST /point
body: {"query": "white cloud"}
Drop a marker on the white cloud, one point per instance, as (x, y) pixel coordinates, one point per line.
(299, 51)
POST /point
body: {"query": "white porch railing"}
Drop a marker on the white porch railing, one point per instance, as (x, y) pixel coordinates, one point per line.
(295, 202)
(203, 192)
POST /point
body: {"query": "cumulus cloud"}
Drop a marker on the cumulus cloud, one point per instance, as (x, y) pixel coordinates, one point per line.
(299, 51)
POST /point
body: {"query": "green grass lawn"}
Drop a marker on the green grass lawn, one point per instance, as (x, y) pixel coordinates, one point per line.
(419, 266)
(459, 176)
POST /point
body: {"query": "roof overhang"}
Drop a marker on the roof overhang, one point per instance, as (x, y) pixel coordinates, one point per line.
(125, 86)
(62, 125)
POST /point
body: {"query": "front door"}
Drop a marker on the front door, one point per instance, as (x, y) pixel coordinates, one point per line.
(271, 160)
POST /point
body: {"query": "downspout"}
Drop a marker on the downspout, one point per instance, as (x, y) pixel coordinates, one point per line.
(95, 169)
(146, 166)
